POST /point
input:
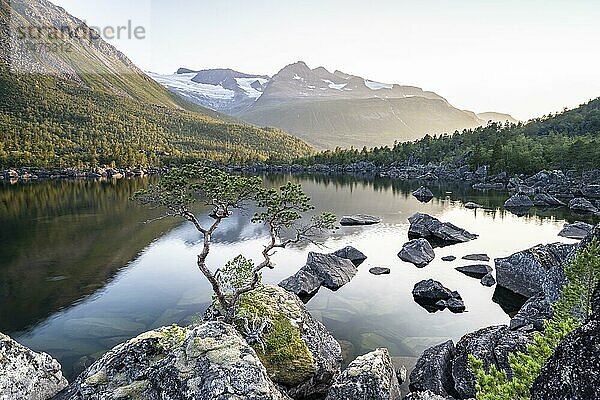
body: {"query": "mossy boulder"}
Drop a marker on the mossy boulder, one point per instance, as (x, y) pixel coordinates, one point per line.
(297, 350)
(209, 361)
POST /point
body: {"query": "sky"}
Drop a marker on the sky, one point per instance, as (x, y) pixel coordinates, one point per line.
(523, 57)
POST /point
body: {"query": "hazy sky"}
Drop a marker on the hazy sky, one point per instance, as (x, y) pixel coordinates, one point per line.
(524, 57)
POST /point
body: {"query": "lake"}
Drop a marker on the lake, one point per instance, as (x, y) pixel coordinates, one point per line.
(82, 268)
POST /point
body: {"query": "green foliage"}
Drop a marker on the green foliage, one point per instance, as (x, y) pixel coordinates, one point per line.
(172, 337)
(583, 273)
(236, 274)
(569, 140)
(49, 122)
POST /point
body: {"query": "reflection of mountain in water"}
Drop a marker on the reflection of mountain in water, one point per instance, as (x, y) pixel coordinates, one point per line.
(62, 241)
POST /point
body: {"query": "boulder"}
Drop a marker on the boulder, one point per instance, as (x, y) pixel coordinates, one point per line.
(488, 280)
(27, 375)
(326, 270)
(492, 345)
(300, 355)
(455, 305)
(359, 219)
(433, 296)
(576, 230)
(371, 376)
(433, 371)
(426, 226)
(475, 271)
(472, 206)
(592, 191)
(573, 371)
(534, 271)
(582, 205)
(448, 258)
(546, 200)
(477, 257)
(532, 314)
(350, 253)
(427, 395)
(418, 252)
(489, 186)
(379, 271)
(207, 361)
(423, 194)
(519, 201)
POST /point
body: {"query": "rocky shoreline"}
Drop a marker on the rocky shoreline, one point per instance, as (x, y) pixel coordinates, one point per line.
(26, 174)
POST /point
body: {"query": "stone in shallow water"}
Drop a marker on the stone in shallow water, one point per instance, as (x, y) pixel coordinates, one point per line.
(488, 280)
(359, 219)
(475, 271)
(418, 252)
(477, 257)
(350, 253)
(577, 230)
(519, 201)
(433, 296)
(472, 206)
(27, 375)
(101, 327)
(371, 376)
(448, 258)
(426, 226)
(423, 194)
(582, 205)
(379, 271)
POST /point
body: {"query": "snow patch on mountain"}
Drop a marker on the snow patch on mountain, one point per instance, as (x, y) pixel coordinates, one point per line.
(377, 85)
(183, 84)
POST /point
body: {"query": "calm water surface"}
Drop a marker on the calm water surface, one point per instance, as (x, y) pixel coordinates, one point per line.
(80, 271)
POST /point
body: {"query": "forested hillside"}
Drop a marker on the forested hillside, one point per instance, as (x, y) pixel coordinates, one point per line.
(568, 140)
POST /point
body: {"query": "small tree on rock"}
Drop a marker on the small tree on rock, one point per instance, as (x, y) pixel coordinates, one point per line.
(280, 210)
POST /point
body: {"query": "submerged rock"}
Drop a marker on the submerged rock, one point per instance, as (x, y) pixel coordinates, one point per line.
(326, 270)
(475, 271)
(433, 371)
(519, 201)
(300, 354)
(576, 230)
(573, 371)
(582, 205)
(418, 252)
(350, 253)
(426, 226)
(379, 271)
(207, 361)
(472, 206)
(536, 270)
(423, 194)
(371, 376)
(359, 219)
(477, 257)
(27, 375)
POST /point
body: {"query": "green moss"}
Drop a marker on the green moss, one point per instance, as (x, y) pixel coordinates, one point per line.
(98, 378)
(133, 391)
(172, 337)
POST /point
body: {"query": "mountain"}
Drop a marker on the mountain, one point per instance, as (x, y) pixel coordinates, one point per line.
(496, 117)
(223, 90)
(87, 104)
(330, 109)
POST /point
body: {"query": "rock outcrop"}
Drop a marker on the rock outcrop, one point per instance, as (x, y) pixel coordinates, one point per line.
(534, 271)
(327, 270)
(359, 219)
(350, 253)
(432, 371)
(544, 200)
(532, 314)
(426, 226)
(27, 375)
(418, 252)
(577, 230)
(519, 201)
(207, 361)
(582, 205)
(371, 376)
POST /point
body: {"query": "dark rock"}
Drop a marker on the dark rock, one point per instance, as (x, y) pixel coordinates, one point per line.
(592, 191)
(371, 376)
(423, 194)
(577, 230)
(426, 226)
(455, 305)
(582, 205)
(477, 257)
(573, 371)
(475, 271)
(352, 254)
(489, 186)
(427, 395)
(359, 219)
(492, 345)
(326, 270)
(207, 361)
(519, 201)
(27, 375)
(533, 313)
(546, 200)
(418, 252)
(433, 371)
(431, 290)
(536, 270)
(488, 280)
(379, 271)
(448, 258)
(472, 206)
